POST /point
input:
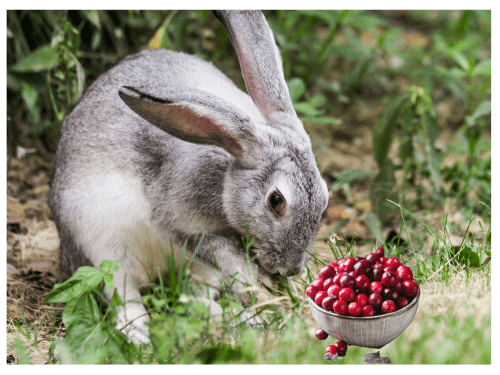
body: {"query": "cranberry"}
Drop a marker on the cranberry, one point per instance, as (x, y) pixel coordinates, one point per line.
(368, 310)
(388, 306)
(363, 267)
(333, 264)
(347, 281)
(337, 277)
(375, 299)
(334, 290)
(311, 291)
(341, 348)
(318, 283)
(340, 307)
(327, 303)
(347, 265)
(391, 293)
(332, 349)
(319, 297)
(328, 283)
(377, 265)
(327, 272)
(382, 259)
(362, 299)
(354, 309)
(389, 278)
(320, 334)
(399, 285)
(380, 251)
(393, 262)
(376, 287)
(404, 273)
(336, 267)
(340, 260)
(358, 258)
(402, 302)
(372, 258)
(362, 282)
(347, 294)
(352, 273)
(390, 268)
(377, 273)
(410, 288)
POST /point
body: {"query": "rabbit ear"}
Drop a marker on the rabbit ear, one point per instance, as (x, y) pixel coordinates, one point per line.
(259, 60)
(193, 116)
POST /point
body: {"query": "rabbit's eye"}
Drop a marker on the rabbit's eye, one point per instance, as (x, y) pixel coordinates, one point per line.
(277, 202)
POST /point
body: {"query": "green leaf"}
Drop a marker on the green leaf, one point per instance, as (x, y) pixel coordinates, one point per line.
(384, 129)
(459, 58)
(434, 156)
(41, 59)
(383, 190)
(472, 256)
(322, 120)
(219, 354)
(110, 265)
(373, 223)
(83, 280)
(307, 109)
(483, 68)
(93, 17)
(482, 109)
(347, 176)
(297, 87)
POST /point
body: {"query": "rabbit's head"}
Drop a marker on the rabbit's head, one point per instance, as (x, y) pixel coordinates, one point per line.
(273, 182)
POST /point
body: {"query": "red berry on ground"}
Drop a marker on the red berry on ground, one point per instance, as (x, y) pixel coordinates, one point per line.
(389, 278)
(362, 282)
(388, 306)
(341, 347)
(332, 349)
(334, 290)
(362, 299)
(327, 272)
(318, 283)
(410, 288)
(340, 307)
(311, 291)
(321, 334)
(376, 287)
(380, 251)
(402, 302)
(328, 283)
(375, 300)
(404, 273)
(347, 294)
(354, 309)
(327, 302)
(367, 310)
(393, 262)
(319, 297)
(347, 281)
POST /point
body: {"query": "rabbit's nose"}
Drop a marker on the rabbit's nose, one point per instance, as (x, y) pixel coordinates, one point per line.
(291, 271)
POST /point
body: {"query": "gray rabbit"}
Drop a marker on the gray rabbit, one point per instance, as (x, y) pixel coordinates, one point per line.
(164, 147)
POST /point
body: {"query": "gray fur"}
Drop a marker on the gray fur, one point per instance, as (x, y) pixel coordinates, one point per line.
(123, 188)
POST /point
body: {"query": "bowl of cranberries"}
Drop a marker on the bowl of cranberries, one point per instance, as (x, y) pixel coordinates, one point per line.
(364, 301)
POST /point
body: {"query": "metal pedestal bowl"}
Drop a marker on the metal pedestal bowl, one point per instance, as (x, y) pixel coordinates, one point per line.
(368, 332)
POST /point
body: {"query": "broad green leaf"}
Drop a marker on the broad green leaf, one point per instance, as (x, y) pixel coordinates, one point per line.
(483, 68)
(472, 256)
(307, 109)
(83, 280)
(482, 109)
(219, 354)
(384, 129)
(297, 87)
(110, 265)
(108, 281)
(41, 59)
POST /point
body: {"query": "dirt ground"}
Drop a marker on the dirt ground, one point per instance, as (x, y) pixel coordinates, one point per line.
(33, 243)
